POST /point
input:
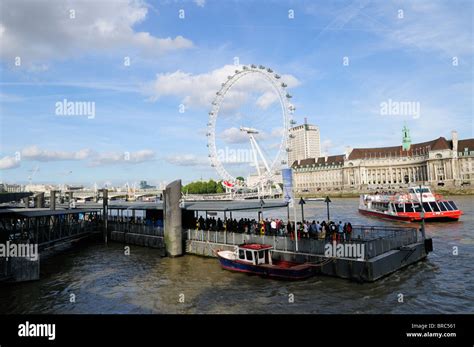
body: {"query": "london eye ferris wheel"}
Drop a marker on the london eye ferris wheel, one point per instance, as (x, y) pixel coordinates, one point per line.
(248, 128)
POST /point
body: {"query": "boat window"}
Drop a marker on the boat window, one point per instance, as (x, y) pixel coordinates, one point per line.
(261, 254)
(442, 206)
(412, 191)
(399, 207)
(448, 206)
(408, 207)
(452, 204)
(417, 207)
(424, 190)
(434, 206)
(241, 254)
(248, 254)
(426, 207)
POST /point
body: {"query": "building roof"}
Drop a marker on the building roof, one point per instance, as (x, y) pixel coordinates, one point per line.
(9, 197)
(121, 205)
(396, 151)
(468, 143)
(199, 205)
(329, 160)
(41, 212)
(383, 152)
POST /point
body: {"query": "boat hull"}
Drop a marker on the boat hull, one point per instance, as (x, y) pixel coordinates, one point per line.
(415, 216)
(298, 272)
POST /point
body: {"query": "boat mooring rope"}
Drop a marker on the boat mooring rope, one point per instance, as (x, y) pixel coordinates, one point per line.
(324, 262)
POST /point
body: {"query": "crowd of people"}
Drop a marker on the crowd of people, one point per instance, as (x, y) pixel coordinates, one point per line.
(329, 231)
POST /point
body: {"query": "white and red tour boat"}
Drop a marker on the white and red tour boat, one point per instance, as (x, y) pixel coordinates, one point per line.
(409, 206)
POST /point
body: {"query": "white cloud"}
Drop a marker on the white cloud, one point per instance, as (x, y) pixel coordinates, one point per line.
(44, 30)
(233, 135)
(327, 147)
(4, 97)
(8, 162)
(35, 153)
(112, 158)
(435, 26)
(188, 160)
(266, 99)
(200, 90)
(200, 3)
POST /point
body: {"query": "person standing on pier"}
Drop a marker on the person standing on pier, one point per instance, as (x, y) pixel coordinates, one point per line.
(333, 231)
(305, 230)
(349, 231)
(322, 234)
(340, 231)
(273, 227)
(289, 229)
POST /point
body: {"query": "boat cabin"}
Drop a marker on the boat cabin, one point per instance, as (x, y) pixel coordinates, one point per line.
(254, 253)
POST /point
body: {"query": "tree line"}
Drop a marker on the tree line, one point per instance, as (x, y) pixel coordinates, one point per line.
(205, 187)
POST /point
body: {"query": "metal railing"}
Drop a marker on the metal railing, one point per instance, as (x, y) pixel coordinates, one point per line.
(376, 240)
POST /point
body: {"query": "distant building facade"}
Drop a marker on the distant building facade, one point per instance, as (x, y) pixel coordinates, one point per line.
(10, 188)
(145, 185)
(304, 142)
(440, 162)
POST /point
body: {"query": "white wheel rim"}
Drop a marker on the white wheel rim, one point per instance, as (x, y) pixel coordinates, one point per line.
(287, 110)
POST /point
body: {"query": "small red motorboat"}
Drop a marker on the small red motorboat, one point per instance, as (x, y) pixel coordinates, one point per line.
(257, 259)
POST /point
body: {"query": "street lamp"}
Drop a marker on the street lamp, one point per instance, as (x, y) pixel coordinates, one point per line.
(261, 208)
(302, 202)
(327, 201)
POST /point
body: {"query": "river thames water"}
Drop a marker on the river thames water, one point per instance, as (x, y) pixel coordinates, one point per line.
(102, 279)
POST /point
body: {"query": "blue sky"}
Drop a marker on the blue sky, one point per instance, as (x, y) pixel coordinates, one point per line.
(399, 50)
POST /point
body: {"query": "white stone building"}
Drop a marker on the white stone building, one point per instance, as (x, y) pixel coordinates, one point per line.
(304, 142)
(439, 163)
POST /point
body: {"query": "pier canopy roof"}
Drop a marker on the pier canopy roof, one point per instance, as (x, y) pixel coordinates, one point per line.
(240, 205)
(9, 197)
(42, 212)
(135, 205)
(122, 205)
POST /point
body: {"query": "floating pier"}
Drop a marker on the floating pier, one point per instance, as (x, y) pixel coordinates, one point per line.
(169, 226)
(386, 250)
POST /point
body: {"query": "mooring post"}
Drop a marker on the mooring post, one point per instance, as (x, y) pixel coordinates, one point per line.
(52, 200)
(105, 212)
(422, 213)
(39, 200)
(173, 219)
(70, 199)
